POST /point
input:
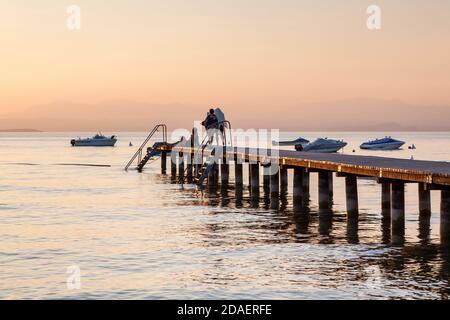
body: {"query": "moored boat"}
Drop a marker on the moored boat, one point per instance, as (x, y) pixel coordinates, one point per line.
(323, 145)
(98, 140)
(386, 143)
(298, 141)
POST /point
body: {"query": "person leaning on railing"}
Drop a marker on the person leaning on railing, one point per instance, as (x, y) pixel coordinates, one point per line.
(211, 125)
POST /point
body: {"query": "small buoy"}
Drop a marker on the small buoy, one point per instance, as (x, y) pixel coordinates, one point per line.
(354, 150)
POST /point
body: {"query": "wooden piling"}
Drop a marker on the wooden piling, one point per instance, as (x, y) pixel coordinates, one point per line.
(173, 164)
(181, 165)
(398, 208)
(189, 167)
(330, 183)
(216, 175)
(238, 174)
(283, 179)
(445, 216)
(224, 169)
(324, 190)
(266, 179)
(306, 195)
(275, 183)
(351, 191)
(424, 200)
(163, 162)
(386, 200)
(254, 172)
(212, 176)
(298, 187)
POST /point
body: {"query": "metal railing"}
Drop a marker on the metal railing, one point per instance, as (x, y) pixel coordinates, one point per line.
(205, 142)
(138, 153)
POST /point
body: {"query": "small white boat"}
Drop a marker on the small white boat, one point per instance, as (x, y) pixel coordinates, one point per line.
(299, 141)
(386, 143)
(98, 140)
(322, 145)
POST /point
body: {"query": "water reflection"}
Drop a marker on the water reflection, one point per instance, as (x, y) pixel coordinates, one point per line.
(267, 220)
(386, 230)
(424, 229)
(352, 230)
(163, 240)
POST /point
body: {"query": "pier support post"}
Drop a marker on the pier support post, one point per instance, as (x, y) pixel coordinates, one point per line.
(216, 171)
(173, 164)
(274, 188)
(445, 216)
(386, 200)
(213, 176)
(224, 169)
(398, 208)
(254, 182)
(306, 195)
(351, 191)
(163, 162)
(283, 179)
(298, 187)
(324, 190)
(266, 179)
(224, 173)
(424, 200)
(330, 183)
(181, 165)
(189, 167)
(275, 183)
(238, 174)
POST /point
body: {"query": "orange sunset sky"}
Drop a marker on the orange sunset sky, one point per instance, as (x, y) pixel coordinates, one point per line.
(287, 64)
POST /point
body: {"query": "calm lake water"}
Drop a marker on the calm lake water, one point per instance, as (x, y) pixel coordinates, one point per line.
(140, 236)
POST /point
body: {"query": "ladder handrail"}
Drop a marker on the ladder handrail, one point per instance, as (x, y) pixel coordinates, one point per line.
(205, 143)
(138, 153)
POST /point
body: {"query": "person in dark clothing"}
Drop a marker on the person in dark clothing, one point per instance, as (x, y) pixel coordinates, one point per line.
(211, 120)
(211, 125)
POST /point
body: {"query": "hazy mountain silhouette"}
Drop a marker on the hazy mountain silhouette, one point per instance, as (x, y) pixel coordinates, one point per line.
(351, 115)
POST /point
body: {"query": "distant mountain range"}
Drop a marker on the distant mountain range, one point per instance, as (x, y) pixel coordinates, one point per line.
(346, 115)
(20, 130)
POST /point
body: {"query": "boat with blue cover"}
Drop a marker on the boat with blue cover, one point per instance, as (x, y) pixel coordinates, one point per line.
(323, 145)
(386, 143)
(299, 141)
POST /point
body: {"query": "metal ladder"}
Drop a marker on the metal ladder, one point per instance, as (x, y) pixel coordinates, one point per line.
(213, 157)
(207, 168)
(151, 152)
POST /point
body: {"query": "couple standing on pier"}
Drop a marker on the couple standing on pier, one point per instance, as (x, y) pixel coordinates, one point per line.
(214, 123)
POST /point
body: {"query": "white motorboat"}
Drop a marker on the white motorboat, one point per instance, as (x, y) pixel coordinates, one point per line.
(386, 143)
(322, 145)
(299, 141)
(98, 140)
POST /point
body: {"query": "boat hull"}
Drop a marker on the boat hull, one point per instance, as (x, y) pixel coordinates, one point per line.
(324, 146)
(302, 142)
(325, 150)
(94, 143)
(382, 146)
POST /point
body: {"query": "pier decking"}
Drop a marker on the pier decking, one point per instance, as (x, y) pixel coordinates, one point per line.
(430, 172)
(391, 173)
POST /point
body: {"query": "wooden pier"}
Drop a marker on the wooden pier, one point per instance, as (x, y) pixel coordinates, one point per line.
(392, 174)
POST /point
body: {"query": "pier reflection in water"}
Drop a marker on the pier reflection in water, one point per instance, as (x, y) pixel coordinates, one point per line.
(423, 261)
